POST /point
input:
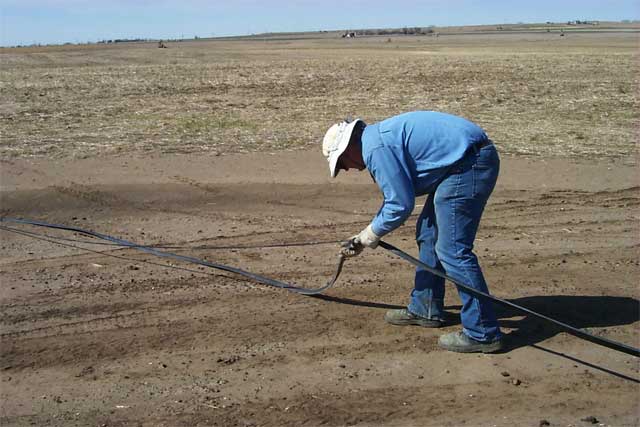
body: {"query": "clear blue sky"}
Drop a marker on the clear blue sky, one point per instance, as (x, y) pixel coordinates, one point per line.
(57, 21)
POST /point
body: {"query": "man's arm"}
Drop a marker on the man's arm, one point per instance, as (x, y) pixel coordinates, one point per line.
(397, 190)
(399, 199)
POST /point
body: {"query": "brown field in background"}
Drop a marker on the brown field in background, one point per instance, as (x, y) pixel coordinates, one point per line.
(535, 93)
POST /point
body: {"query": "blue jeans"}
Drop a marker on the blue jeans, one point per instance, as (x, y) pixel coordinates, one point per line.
(445, 233)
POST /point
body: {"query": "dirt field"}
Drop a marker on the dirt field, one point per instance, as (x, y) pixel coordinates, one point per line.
(216, 144)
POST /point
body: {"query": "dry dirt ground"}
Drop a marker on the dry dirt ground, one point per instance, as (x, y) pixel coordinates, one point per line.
(116, 337)
(93, 339)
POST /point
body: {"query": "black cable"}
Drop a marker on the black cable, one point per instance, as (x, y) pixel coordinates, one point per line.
(568, 328)
(198, 247)
(255, 277)
(54, 239)
(323, 297)
(271, 282)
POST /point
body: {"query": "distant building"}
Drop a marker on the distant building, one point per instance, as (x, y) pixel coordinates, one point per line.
(579, 22)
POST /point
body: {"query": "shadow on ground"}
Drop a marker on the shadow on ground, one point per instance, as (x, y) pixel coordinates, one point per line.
(582, 312)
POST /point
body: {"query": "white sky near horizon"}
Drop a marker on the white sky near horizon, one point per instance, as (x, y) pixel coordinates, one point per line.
(25, 22)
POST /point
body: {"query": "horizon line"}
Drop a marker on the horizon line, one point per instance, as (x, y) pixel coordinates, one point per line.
(133, 39)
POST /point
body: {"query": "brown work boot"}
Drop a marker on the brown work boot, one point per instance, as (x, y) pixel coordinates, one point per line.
(461, 343)
(403, 317)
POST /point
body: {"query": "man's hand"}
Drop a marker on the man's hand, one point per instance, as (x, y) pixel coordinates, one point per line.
(368, 238)
(351, 247)
(356, 244)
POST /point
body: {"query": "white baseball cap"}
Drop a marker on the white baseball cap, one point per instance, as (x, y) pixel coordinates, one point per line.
(336, 141)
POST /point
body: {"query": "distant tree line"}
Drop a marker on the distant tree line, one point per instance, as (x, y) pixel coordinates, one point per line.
(579, 22)
(392, 31)
(122, 41)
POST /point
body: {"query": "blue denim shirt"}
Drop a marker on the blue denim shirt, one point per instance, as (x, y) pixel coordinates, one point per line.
(408, 154)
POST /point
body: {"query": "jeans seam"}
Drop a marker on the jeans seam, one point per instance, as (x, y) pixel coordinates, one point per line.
(473, 181)
(428, 215)
(475, 301)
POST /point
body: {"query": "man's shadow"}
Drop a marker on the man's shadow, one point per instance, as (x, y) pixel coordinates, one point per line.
(582, 312)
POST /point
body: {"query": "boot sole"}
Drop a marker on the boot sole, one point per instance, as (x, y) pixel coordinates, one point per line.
(415, 322)
(475, 348)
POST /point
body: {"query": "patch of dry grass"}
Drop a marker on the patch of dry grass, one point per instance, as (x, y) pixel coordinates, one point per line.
(537, 94)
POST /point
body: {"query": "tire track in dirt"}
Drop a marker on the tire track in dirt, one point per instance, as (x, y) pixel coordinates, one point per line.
(525, 210)
(35, 311)
(86, 193)
(143, 320)
(304, 201)
(566, 212)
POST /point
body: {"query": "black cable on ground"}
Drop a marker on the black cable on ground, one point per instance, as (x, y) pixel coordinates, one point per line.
(60, 241)
(255, 277)
(614, 345)
(271, 282)
(199, 247)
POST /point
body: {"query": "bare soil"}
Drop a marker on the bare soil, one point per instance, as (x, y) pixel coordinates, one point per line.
(208, 146)
(107, 338)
